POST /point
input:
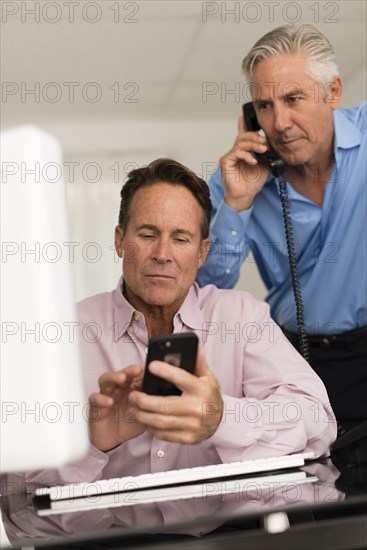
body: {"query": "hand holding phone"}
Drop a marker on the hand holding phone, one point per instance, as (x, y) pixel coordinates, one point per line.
(243, 175)
(180, 350)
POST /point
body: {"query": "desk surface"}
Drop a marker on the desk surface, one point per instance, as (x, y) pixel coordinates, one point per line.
(332, 510)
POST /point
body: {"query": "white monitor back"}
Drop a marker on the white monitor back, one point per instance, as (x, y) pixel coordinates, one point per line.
(43, 406)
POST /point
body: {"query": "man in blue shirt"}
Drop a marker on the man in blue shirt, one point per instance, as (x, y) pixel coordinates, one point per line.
(296, 90)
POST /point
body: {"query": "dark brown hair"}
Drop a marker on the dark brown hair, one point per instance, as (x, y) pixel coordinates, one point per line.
(165, 170)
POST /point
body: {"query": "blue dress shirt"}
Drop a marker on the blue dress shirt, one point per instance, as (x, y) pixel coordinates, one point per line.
(331, 240)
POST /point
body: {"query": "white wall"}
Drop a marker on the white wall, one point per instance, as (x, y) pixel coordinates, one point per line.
(356, 90)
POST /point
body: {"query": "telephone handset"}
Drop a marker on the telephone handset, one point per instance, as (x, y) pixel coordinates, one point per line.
(276, 166)
(270, 160)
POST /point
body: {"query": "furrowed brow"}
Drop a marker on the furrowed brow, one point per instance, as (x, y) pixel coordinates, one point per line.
(183, 232)
(178, 231)
(295, 91)
(148, 226)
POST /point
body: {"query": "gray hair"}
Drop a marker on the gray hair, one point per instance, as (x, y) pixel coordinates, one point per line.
(290, 39)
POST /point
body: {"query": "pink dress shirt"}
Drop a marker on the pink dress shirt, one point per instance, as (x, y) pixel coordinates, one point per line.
(274, 403)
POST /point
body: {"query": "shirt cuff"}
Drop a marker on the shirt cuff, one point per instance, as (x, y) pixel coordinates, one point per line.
(88, 469)
(228, 225)
(240, 426)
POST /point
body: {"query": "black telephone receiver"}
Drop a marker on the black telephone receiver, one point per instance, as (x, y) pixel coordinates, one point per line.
(276, 166)
(270, 160)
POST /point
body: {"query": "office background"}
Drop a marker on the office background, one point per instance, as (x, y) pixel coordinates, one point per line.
(120, 83)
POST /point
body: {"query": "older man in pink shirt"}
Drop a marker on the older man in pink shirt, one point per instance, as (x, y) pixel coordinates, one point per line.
(252, 395)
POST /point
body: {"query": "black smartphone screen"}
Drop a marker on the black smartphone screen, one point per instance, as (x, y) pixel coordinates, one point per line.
(179, 350)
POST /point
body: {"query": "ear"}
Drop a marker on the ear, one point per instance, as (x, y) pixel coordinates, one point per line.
(334, 92)
(204, 249)
(118, 240)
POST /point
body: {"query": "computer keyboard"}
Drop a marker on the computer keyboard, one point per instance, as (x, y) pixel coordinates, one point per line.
(171, 484)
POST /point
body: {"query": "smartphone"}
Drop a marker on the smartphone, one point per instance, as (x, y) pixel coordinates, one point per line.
(270, 160)
(179, 350)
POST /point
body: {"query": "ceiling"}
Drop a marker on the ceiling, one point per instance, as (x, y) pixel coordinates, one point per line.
(146, 59)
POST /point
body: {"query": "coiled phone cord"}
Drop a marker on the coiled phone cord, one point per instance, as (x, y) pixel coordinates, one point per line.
(302, 336)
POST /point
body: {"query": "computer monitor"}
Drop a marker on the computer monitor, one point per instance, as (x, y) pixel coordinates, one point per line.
(43, 405)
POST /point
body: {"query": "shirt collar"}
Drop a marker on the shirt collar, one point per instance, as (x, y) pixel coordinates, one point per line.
(123, 312)
(346, 135)
(189, 313)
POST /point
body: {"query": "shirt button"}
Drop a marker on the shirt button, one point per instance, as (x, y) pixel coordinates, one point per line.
(160, 453)
(130, 328)
(146, 350)
(137, 315)
(228, 270)
(233, 233)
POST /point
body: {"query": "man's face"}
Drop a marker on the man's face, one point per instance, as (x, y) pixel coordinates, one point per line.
(293, 110)
(162, 246)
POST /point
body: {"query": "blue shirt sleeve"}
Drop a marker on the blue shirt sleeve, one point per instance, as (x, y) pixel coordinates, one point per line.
(229, 247)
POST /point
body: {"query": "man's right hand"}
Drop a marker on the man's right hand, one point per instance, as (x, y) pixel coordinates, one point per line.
(243, 177)
(111, 417)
